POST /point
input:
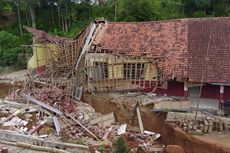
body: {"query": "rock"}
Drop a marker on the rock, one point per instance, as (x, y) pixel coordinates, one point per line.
(201, 127)
(185, 128)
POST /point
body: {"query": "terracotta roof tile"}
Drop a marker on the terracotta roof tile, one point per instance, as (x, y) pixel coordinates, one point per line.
(209, 50)
(183, 44)
(152, 39)
(43, 37)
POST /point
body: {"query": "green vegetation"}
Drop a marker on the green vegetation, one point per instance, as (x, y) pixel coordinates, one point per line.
(67, 18)
(101, 148)
(120, 146)
(8, 48)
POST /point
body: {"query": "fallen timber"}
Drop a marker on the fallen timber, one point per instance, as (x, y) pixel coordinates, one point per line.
(28, 97)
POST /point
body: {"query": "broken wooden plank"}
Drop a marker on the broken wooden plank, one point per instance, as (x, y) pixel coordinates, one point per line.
(13, 103)
(104, 120)
(107, 133)
(140, 120)
(82, 126)
(37, 126)
(57, 125)
(44, 105)
(12, 115)
(171, 110)
(86, 44)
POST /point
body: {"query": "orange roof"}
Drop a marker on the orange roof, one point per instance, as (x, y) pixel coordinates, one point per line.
(182, 44)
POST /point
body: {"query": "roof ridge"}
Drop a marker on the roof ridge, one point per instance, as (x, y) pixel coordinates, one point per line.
(172, 20)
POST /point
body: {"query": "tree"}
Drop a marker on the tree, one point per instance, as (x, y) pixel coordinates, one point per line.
(138, 10)
(19, 17)
(220, 7)
(8, 48)
(32, 4)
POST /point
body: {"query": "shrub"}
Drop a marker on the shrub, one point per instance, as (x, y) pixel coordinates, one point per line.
(120, 146)
(8, 48)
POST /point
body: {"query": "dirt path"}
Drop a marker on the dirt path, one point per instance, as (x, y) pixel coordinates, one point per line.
(216, 137)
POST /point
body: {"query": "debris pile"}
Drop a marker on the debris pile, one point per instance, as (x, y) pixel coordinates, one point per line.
(146, 142)
(48, 113)
(203, 124)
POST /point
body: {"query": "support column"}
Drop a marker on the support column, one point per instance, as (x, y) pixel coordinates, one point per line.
(186, 90)
(221, 97)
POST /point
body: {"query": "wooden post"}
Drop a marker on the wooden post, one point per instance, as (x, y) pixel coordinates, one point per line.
(140, 120)
(135, 73)
(221, 97)
(186, 90)
(82, 126)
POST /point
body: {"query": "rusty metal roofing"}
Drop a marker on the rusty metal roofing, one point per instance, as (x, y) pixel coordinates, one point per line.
(43, 37)
(182, 44)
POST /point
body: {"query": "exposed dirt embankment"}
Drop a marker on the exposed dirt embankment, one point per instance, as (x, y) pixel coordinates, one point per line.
(154, 122)
(4, 90)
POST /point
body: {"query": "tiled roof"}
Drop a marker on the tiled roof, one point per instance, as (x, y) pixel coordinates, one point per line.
(180, 45)
(43, 37)
(209, 50)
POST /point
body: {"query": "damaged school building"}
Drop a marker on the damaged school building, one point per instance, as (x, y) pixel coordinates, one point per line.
(130, 80)
(184, 57)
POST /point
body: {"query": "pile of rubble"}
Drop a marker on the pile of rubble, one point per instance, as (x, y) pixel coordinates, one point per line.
(49, 114)
(203, 124)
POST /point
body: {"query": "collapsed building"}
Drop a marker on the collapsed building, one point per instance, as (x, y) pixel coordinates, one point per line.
(174, 58)
(121, 62)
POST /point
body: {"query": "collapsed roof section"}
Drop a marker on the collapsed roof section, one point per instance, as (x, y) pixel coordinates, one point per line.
(43, 37)
(194, 49)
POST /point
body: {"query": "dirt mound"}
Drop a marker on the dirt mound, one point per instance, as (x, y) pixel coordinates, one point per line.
(4, 90)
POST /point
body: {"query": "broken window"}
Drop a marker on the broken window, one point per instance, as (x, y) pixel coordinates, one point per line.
(77, 92)
(100, 70)
(133, 70)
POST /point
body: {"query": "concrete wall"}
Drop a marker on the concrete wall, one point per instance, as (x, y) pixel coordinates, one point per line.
(40, 55)
(16, 137)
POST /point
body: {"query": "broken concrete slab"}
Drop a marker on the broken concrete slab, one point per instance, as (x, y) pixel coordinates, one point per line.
(44, 105)
(16, 137)
(104, 120)
(172, 105)
(122, 129)
(57, 125)
(15, 121)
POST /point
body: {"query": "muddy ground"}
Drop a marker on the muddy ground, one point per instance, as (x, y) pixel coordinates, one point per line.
(155, 122)
(4, 90)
